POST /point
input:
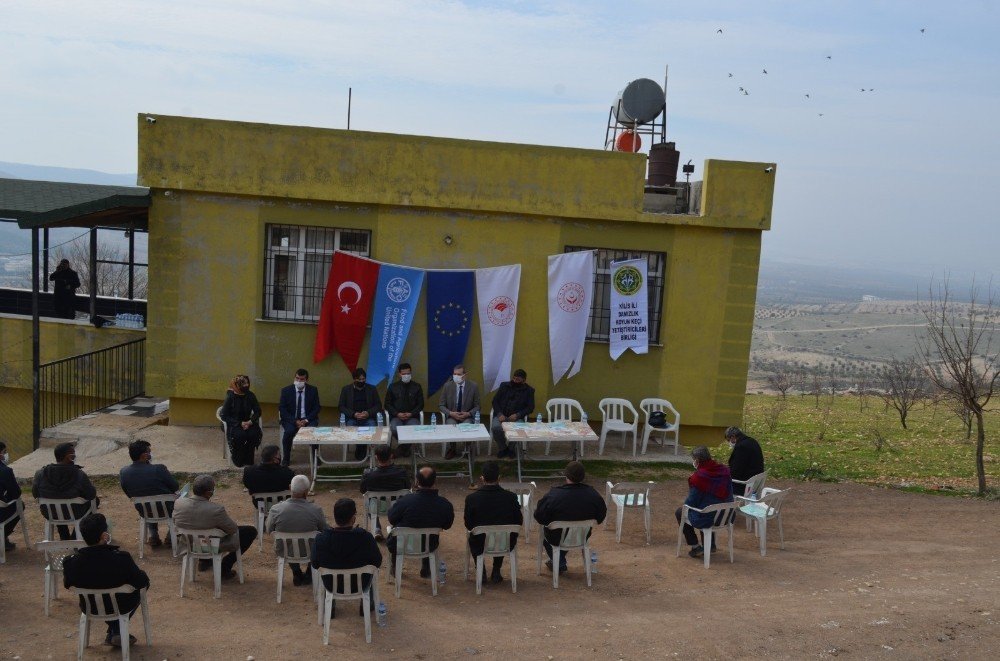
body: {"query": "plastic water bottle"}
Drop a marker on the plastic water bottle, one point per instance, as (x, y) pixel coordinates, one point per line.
(343, 420)
(140, 321)
(584, 418)
(382, 614)
(379, 418)
(538, 419)
(477, 417)
(442, 573)
(593, 562)
(434, 421)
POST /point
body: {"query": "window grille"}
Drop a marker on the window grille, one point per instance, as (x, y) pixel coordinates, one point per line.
(297, 263)
(600, 306)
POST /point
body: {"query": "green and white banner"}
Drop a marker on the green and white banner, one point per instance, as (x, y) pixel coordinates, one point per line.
(629, 307)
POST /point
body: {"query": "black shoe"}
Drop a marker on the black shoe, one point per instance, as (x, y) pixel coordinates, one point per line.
(697, 551)
(155, 542)
(204, 565)
(379, 537)
(297, 579)
(228, 574)
(496, 577)
(562, 569)
(116, 640)
(450, 454)
(425, 568)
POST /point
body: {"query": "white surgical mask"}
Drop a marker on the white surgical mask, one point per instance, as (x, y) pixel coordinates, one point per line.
(405, 378)
(5, 457)
(150, 457)
(458, 378)
(300, 385)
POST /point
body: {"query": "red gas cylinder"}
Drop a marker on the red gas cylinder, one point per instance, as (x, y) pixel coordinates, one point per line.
(628, 140)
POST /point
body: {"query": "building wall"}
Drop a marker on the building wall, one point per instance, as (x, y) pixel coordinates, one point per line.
(216, 185)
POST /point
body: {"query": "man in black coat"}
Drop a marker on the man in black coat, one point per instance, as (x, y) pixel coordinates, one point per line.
(572, 501)
(269, 475)
(515, 400)
(491, 505)
(423, 508)
(346, 546)
(9, 492)
(298, 407)
(386, 476)
(64, 480)
(360, 405)
(66, 282)
(101, 566)
(143, 478)
(746, 459)
(404, 401)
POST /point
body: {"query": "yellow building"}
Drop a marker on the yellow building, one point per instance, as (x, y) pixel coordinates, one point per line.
(244, 218)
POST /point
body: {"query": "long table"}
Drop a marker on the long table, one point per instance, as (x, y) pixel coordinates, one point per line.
(345, 438)
(523, 433)
(436, 435)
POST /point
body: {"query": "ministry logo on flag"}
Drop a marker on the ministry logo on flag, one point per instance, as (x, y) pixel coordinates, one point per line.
(571, 296)
(500, 311)
(628, 280)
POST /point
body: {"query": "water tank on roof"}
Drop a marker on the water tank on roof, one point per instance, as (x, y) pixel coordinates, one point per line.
(640, 102)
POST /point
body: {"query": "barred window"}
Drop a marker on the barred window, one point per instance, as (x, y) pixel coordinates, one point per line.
(600, 306)
(297, 264)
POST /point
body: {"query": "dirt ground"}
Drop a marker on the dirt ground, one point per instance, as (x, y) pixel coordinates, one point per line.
(866, 573)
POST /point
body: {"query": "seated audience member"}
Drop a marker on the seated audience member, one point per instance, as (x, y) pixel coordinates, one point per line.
(710, 484)
(296, 515)
(63, 480)
(298, 407)
(144, 478)
(746, 458)
(198, 512)
(386, 476)
(9, 492)
(571, 501)
(491, 505)
(269, 475)
(346, 546)
(423, 508)
(360, 405)
(404, 400)
(514, 401)
(241, 413)
(102, 566)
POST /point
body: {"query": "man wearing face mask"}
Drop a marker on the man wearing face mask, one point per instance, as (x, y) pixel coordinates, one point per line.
(746, 459)
(710, 484)
(360, 404)
(9, 492)
(404, 400)
(459, 402)
(64, 480)
(298, 407)
(144, 478)
(515, 400)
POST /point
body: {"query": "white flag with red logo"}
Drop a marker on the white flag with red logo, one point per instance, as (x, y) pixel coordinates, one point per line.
(496, 291)
(571, 292)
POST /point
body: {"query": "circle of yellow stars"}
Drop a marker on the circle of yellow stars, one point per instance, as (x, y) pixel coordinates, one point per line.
(446, 307)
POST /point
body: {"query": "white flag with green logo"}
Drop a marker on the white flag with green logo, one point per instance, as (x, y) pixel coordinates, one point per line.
(629, 307)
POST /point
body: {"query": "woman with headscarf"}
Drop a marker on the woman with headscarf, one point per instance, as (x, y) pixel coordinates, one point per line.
(241, 412)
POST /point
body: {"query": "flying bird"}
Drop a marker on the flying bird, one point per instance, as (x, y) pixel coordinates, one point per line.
(821, 114)
(862, 89)
(719, 31)
(746, 93)
(730, 75)
(741, 89)
(807, 96)
(764, 70)
(829, 57)
(922, 30)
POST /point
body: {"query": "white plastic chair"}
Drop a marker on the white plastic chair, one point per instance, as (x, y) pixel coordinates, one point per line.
(613, 411)
(18, 505)
(154, 510)
(204, 545)
(55, 552)
(525, 492)
(724, 514)
(631, 495)
(496, 545)
(225, 433)
(751, 485)
(652, 404)
(295, 548)
(350, 582)
(265, 501)
(102, 605)
(59, 512)
(760, 511)
(561, 409)
(415, 543)
(574, 535)
(377, 503)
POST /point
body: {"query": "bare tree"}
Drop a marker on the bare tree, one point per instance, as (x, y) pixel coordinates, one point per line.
(112, 279)
(781, 379)
(864, 389)
(902, 383)
(816, 381)
(961, 355)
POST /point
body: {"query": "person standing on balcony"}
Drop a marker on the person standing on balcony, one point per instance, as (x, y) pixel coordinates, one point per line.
(64, 291)
(241, 413)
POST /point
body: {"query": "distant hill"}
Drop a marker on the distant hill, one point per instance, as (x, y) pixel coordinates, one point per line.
(71, 175)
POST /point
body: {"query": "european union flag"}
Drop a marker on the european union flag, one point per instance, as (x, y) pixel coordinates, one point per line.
(450, 302)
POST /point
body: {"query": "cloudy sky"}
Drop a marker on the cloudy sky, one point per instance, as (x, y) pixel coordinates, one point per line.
(902, 176)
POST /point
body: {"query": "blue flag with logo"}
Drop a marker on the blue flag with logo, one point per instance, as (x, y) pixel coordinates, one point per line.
(450, 302)
(396, 298)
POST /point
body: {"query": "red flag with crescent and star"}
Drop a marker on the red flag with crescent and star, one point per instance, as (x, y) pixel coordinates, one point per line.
(347, 305)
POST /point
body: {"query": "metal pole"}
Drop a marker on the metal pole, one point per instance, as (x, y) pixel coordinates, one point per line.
(131, 263)
(45, 253)
(348, 108)
(666, 73)
(36, 411)
(93, 274)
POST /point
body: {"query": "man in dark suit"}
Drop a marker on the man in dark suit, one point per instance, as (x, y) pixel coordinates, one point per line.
(423, 508)
(298, 407)
(459, 402)
(9, 492)
(101, 566)
(346, 546)
(269, 475)
(491, 505)
(64, 480)
(143, 478)
(515, 400)
(386, 476)
(360, 405)
(404, 401)
(746, 459)
(572, 501)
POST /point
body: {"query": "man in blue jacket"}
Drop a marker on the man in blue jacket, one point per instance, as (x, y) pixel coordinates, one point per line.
(298, 407)
(144, 478)
(710, 484)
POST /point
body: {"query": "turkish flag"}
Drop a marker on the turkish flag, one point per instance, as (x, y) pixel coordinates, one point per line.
(347, 304)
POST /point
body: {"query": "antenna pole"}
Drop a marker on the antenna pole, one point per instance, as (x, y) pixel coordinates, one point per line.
(666, 75)
(348, 108)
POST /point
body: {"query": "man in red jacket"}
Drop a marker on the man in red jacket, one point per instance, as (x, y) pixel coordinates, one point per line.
(710, 484)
